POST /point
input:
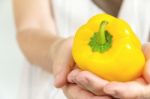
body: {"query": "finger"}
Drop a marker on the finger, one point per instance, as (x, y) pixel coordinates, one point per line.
(130, 90)
(91, 82)
(61, 77)
(75, 92)
(72, 75)
(146, 72)
(146, 50)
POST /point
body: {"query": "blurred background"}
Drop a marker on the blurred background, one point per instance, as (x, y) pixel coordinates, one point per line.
(10, 55)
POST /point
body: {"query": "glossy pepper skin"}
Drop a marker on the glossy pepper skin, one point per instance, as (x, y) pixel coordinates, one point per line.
(107, 47)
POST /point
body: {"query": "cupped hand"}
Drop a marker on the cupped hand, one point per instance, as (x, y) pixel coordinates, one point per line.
(138, 89)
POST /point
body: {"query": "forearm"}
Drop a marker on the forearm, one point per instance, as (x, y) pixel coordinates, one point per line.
(36, 46)
(36, 30)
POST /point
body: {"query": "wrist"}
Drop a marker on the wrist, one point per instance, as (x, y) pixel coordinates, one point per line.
(53, 47)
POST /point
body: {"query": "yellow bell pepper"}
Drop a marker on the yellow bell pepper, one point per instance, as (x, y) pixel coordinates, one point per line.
(107, 47)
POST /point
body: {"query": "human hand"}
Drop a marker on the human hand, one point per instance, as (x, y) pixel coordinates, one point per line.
(138, 89)
(73, 91)
(61, 59)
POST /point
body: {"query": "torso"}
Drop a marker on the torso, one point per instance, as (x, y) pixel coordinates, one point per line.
(111, 7)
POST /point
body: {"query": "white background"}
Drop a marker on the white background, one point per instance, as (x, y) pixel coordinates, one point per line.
(10, 55)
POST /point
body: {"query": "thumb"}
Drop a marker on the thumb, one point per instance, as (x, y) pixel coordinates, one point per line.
(60, 72)
(147, 71)
(146, 51)
(62, 61)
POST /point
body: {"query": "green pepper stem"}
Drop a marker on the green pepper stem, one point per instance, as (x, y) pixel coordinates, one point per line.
(101, 41)
(102, 32)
